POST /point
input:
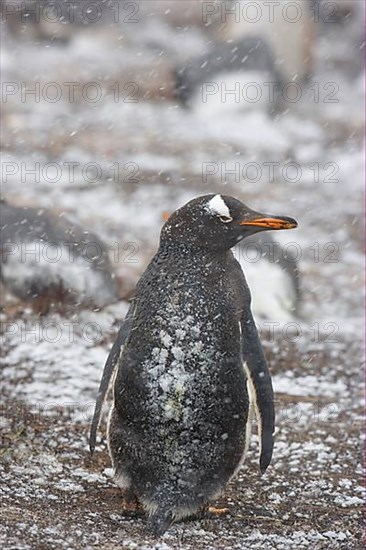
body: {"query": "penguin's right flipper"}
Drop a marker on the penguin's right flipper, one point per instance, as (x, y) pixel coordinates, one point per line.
(260, 383)
(109, 369)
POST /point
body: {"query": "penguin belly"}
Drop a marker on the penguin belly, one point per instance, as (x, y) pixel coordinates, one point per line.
(177, 429)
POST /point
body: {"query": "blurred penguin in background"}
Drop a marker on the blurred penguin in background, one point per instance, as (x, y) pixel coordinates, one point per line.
(273, 273)
(251, 44)
(287, 28)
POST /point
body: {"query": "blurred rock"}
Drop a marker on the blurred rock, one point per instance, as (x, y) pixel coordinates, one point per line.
(51, 262)
(87, 70)
(55, 20)
(173, 13)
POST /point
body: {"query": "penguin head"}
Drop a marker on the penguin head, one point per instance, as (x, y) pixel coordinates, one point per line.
(217, 222)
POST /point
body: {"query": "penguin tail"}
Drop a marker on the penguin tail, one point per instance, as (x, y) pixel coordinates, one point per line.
(160, 521)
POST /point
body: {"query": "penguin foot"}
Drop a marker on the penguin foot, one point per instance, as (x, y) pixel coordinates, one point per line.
(131, 505)
(217, 511)
(214, 512)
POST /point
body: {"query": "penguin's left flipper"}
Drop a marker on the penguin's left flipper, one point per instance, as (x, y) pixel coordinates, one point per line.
(260, 384)
(109, 369)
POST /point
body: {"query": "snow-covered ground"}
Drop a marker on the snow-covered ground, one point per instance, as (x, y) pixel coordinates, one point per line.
(116, 167)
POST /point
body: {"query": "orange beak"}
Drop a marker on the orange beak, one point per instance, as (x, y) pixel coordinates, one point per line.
(271, 223)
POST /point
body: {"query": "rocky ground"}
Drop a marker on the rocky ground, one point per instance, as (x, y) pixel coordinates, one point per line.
(53, 495)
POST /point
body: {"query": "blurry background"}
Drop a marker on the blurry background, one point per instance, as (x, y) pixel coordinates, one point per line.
(115, 113)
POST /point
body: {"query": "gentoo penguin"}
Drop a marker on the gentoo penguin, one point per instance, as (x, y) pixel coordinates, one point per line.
(49, 261)
(189, 365)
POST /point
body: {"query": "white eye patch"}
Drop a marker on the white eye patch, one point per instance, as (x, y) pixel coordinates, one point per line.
(218, 207)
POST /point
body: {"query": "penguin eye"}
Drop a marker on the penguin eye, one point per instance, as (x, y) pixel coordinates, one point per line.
(226, 219)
